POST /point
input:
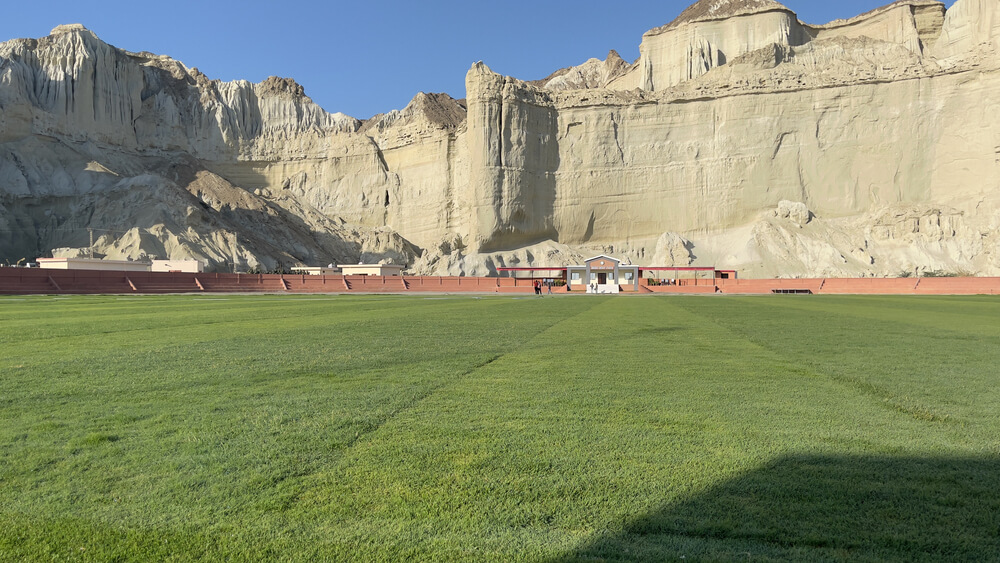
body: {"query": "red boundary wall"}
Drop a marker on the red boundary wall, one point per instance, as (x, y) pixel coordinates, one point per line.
(25, 281)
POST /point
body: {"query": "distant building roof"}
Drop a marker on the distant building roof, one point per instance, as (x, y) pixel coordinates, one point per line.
(93, 264)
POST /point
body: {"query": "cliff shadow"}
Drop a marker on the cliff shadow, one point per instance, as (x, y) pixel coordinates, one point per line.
(822, 508)
(277, 236)
(274, 233)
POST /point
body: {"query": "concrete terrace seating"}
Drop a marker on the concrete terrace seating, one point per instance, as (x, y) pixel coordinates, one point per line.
(316, 284)
(376, 284)
(451, 284)
(31, 286)
(145, 282)
(25, 281)
(241, 283)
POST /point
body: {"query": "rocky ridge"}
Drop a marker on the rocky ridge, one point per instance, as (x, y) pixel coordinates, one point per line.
(741, 138)
(594, 73)
(708, 10)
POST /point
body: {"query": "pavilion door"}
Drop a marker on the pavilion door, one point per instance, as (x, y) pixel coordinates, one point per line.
(602, 279)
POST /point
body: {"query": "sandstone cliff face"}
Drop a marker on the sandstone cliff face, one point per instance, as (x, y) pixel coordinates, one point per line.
(855, 119)
(741, 138)
(710, 33)
(914, 24)
(94, 137)
(969, 25)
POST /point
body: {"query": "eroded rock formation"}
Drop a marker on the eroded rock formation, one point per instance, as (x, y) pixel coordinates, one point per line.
(741, 137)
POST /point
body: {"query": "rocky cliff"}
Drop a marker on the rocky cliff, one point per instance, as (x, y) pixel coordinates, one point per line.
(742, 138)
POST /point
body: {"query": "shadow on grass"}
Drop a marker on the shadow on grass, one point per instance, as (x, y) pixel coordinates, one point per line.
(825, 508)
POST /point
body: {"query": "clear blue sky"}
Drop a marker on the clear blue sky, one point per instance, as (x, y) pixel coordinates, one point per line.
(366, 57)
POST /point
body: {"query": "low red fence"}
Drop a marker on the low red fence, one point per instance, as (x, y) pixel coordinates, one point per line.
(865, 286)
(24, 281)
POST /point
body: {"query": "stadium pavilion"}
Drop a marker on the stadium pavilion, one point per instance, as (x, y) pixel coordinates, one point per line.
(606, 274)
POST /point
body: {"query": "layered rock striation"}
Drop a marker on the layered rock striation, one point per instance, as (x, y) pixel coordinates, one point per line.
(741, 137)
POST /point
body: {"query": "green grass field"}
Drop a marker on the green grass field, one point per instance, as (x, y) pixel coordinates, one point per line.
(499, 429)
